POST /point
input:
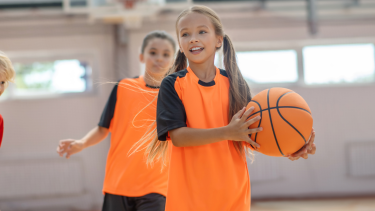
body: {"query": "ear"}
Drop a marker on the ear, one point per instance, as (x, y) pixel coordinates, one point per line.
(141, 58)
(219, 42)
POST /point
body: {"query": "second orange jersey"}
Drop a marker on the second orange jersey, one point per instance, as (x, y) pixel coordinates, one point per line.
(128, 115)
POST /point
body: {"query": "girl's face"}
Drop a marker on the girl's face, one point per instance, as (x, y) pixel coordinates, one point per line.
(2, 84)
(158, 56)
(197, 38)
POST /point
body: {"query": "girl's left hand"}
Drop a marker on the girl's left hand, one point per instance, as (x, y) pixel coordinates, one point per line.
(309, 148)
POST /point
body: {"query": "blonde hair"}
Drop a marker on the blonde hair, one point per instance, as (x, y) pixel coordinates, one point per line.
(6, 68)
(239, 91)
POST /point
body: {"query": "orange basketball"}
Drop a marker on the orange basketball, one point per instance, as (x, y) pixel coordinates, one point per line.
(286, 121)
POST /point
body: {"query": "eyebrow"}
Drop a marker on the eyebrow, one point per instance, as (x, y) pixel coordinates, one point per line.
(197, 27)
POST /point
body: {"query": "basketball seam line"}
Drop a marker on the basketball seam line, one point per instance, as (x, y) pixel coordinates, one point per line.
(277, 107)
(260, 121)
(269, 112)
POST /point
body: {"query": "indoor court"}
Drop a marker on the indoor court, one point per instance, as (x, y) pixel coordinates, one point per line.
(68, 54)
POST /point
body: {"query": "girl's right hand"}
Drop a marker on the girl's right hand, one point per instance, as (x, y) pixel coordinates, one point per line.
(238, 128)
(70, 147)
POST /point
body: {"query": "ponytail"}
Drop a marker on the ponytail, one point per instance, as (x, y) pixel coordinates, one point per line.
(239, 90)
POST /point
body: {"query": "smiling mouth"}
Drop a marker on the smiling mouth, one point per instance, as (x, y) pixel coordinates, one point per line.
(196, 49)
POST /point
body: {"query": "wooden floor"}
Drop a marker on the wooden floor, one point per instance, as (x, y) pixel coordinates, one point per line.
(361, 204)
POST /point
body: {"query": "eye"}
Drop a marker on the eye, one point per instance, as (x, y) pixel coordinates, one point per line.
(202, 32)
(166, 55)
(184, 34)
(3, 82)
(152, 52)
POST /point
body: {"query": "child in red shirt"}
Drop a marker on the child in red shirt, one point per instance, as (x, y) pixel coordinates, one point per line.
(6, 75)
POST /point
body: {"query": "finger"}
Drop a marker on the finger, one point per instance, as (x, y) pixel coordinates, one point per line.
(312, 138)
(68, 155)
(305, 156)
(253, 143)
(300, 152)
(293, 158)
(255, 130)
(58, 151)
(252, 121)
(247, 113)
(313, 149)
(239, 113)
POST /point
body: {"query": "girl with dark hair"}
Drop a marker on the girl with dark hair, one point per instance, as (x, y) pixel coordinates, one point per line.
(129, 185)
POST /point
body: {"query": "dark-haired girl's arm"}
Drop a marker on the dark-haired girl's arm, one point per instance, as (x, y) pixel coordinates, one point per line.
(236, 130)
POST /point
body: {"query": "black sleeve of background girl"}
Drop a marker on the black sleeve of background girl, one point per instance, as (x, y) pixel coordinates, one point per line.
(109, 109)
(170, 112)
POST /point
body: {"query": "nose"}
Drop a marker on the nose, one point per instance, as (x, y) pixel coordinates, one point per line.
(159, 58)
(194, 39)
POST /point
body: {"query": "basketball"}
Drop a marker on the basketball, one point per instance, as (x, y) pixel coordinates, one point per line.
(286, 121)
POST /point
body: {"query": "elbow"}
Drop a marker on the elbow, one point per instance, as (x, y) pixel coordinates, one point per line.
(176, 140)
(104, 131)
(178, 137)
(176, 143)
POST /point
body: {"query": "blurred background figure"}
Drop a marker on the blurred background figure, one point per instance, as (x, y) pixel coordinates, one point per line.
(62, 49)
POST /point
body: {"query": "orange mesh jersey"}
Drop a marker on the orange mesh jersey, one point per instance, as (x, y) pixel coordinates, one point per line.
(128, 175)
(208, 177)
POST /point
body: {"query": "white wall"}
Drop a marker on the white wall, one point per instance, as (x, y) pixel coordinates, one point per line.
(34, 127)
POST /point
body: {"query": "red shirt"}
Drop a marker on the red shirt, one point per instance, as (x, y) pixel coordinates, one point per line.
(1, 129)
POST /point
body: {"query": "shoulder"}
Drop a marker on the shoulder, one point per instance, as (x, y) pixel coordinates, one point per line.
(223, 73)
(172, 78)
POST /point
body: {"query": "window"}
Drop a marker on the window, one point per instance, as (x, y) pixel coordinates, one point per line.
(333, 64)
(269, 66)
(50, 78)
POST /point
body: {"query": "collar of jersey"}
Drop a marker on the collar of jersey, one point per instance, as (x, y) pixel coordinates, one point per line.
(198, 80)
(146, 85)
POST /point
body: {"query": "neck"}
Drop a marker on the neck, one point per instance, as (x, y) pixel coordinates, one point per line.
(205, 71)
(153, 80)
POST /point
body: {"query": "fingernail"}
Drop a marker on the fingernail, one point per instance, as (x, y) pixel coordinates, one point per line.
(260, 128)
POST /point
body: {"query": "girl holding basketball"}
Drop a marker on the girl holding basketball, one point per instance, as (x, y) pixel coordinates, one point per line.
(200, 108)
(7, 74)
(129, 185)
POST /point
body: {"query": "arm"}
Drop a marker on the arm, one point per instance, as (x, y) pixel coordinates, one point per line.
(236, 130)
(71, 146)
(96, 135)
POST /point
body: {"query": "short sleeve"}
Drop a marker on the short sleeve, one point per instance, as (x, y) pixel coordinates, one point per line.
(170, 110)
(109, 109)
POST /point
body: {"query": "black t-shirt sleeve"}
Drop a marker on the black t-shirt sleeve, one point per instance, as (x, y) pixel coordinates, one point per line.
(109, 109)
(170, 110)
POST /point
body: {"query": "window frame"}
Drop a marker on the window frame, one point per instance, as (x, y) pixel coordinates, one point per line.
(298, 46)
(91, 57)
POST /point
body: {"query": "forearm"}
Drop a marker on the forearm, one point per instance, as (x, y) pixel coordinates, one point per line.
(188, 137)
(95, 136)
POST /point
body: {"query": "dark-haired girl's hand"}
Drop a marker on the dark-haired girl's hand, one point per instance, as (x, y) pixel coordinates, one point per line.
(309, 148)
(238, 128)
